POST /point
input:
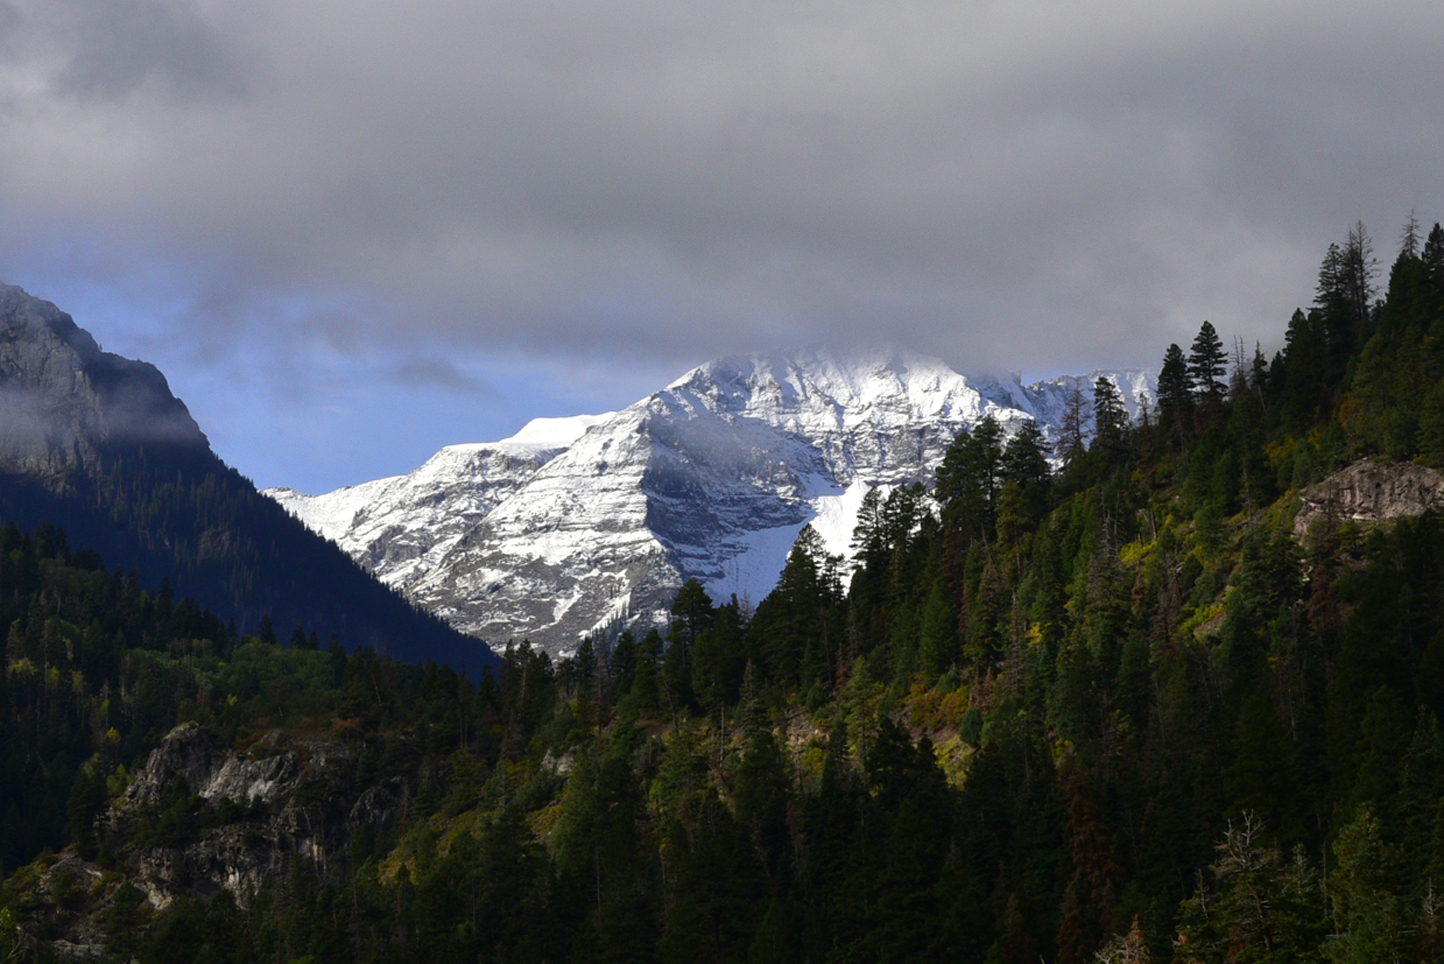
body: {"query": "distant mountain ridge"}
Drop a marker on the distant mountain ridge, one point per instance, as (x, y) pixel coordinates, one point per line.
(711, 477)
(97, 444)
(456, 488)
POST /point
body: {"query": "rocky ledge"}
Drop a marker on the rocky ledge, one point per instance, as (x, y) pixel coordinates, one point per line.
(1370, 492)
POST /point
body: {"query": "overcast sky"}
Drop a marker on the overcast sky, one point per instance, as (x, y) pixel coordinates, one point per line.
(352, 232)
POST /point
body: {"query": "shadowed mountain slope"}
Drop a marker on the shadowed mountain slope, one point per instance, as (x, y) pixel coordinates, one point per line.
(98, 445)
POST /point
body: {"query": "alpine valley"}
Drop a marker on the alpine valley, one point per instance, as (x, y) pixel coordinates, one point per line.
(586, 525)
(1175, 698)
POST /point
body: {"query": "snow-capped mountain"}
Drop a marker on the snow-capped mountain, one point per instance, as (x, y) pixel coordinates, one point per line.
(576, 525)
(401, 527)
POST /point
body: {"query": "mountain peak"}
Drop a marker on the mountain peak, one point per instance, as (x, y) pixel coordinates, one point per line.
(552, 433)
(848, 374)
(98, 445)
(711, 478)
(65, 400)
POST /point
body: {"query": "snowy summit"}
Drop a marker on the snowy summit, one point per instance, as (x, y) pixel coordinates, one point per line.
(583, 524)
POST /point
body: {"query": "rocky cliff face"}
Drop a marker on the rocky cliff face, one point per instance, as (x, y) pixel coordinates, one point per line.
(201, 818)
(260, 809)
(62, 399)
(710, 478)
(1370, 492)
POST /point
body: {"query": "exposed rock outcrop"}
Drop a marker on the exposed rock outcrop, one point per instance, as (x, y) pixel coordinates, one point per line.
(248, 814)
(1371, 492)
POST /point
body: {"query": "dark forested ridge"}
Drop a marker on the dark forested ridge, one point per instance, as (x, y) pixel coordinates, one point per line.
(96, 444)
(182, 514)
(1120, 712)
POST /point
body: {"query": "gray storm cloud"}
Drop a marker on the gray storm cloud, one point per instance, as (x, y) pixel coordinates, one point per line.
(1032, 184)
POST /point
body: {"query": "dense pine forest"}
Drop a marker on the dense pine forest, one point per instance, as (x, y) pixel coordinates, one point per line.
(1126, 710)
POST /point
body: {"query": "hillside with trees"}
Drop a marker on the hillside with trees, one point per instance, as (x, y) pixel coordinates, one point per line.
(97, 444)
(1121, 711)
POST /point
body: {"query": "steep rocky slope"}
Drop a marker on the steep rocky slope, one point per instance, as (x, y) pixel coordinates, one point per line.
(711, 478)
(62, 399)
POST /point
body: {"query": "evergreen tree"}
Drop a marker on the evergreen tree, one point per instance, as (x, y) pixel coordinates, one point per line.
(711, 913)
(1110, 420)
(719, 657)
(792, 633)
(692, 613)
(970, 478)
(1369, 920)
(1072, 432)
(1307, 377)
(1264, 908)
(1432, 257)
(937, 647)
(1027, 483)
(760, 799)
(1207, 365)
(647, 695)
(1175, 395)
(1025, 461)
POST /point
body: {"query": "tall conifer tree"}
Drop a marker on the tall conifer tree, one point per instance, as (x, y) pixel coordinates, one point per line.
(1207, 364)
(1175, 394)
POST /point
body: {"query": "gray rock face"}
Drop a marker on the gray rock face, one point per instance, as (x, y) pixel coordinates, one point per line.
(1370, 492)
(710, 478)
(212, 772)
(295, 800)
(62, 399)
